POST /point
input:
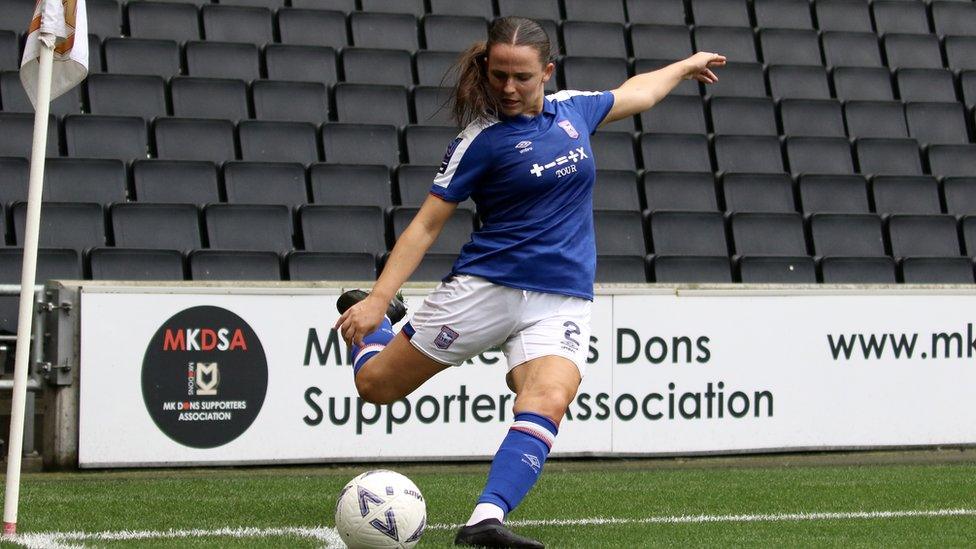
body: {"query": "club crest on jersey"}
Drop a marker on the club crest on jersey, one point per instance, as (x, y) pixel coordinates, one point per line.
(570, 130)
(445, 338)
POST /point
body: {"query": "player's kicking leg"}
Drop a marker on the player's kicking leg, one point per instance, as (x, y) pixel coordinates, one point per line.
(544, 388)
(395, 368)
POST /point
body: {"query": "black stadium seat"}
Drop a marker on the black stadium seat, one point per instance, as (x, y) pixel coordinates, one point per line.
(616, 190)
(676, 114)
(209, 98)
(768, 234)
(533, 9)
(136, 56)
(17, 131)
(783, 14)
(14, 177)
(748, 153)
(432, 105)
(396, 31)
(687, 233)
(657, 12)
(875, 119)
(671, 152)
(858, 270)
(413, 7)
(934, 85)
(588, 39)
(9, 50)
(923, 236)
(594, 10)
(249, 227)
(127, 95)
(912, 51)
(372, 104)
(906, 195)
(937, 270)
(304, 265)
(798, 82)
(272, 183)
(102, 136)
(952, 160)
(954, 18)
(84, 180)
(301, 63)
(823, 155)
(882, 156)
(344, 229)
(352, 185)
(223, 60)
(163, 21)
(757, 192)
(732, 13)
(960, 195)
(361, 144)
(833, 194)
(426, 144)
(735, 42)
(661, 41)
(812, 117)
(680, 191)
(743, 116)
(864, 83)
(290, 101)
(790, 47)
(851, 49)
(274, 141)
(175, 181)
(156, 226)
(620, 268)
(847, 235)
(478, 8)
(378, 66)
(619, 232)
(75, 225)
(234, 265)
(237, 24)
(194, 139)
(758, 269)
(895, 16)
(135, 264)
(691, 269)
(312, 27)
(453, 32)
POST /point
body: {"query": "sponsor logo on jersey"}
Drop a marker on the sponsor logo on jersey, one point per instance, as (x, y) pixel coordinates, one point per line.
(568, 127)
(447, 155)
(574, 156)
(445, 338)
(524, 147)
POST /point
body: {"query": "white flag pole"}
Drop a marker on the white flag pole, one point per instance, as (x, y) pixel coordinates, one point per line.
(31, 231)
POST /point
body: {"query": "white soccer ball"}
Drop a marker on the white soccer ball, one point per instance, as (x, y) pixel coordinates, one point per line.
(380, 509)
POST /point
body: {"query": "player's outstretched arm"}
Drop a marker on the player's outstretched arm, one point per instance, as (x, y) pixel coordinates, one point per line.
(645, 90)
(364, 317)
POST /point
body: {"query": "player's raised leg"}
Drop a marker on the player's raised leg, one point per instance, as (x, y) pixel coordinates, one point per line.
(396, 368)
(544, 388)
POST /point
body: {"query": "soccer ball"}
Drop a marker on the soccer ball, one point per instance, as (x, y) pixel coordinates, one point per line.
(380, 509)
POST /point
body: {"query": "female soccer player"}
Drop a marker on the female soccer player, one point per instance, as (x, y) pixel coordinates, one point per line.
(525, 279)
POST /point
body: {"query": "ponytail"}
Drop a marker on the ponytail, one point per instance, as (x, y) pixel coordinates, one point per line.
(472, 98)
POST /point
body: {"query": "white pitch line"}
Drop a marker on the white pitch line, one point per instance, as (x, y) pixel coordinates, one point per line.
(59, 540)
(693, 519)
(63, 540)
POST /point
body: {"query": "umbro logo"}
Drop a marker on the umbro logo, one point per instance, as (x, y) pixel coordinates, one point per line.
(524, 147)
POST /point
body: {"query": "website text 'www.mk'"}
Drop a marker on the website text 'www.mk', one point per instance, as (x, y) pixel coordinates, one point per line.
(904, 346)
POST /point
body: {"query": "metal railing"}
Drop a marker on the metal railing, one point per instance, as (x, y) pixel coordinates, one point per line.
(36, 357)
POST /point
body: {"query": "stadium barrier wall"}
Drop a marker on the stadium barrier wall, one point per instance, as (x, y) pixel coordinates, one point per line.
(207, 374)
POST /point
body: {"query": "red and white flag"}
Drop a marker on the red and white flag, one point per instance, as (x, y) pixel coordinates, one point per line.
(64, 24)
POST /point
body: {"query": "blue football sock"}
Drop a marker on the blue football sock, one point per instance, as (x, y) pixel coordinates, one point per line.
(519, 460)
(372, 344)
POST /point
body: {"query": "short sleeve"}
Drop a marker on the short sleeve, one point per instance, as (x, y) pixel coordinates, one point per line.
(592, 106)
(466, 161)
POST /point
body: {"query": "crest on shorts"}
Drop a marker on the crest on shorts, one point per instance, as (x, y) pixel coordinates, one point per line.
(568, 126)
(445, 338)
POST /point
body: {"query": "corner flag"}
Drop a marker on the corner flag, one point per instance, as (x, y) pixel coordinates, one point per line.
(55, 60)
(64, 25)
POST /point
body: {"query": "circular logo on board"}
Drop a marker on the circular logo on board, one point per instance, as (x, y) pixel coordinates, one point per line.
(204, 377)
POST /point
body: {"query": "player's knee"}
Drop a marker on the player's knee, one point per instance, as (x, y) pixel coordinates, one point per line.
(551, 402)
(374, 389)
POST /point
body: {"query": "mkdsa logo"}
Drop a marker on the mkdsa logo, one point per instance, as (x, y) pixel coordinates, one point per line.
(570, 130)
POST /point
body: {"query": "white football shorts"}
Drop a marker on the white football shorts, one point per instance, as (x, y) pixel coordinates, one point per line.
(467, 315)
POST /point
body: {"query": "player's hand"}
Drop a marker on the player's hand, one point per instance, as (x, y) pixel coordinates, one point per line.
(698, 66)
(361, 319)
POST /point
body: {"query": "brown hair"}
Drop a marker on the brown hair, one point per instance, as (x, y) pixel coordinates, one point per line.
(472, 98)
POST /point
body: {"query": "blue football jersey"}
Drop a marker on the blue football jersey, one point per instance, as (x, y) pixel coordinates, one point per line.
(532, 180)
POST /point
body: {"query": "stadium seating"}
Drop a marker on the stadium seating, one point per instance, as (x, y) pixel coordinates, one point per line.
(837, 146)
